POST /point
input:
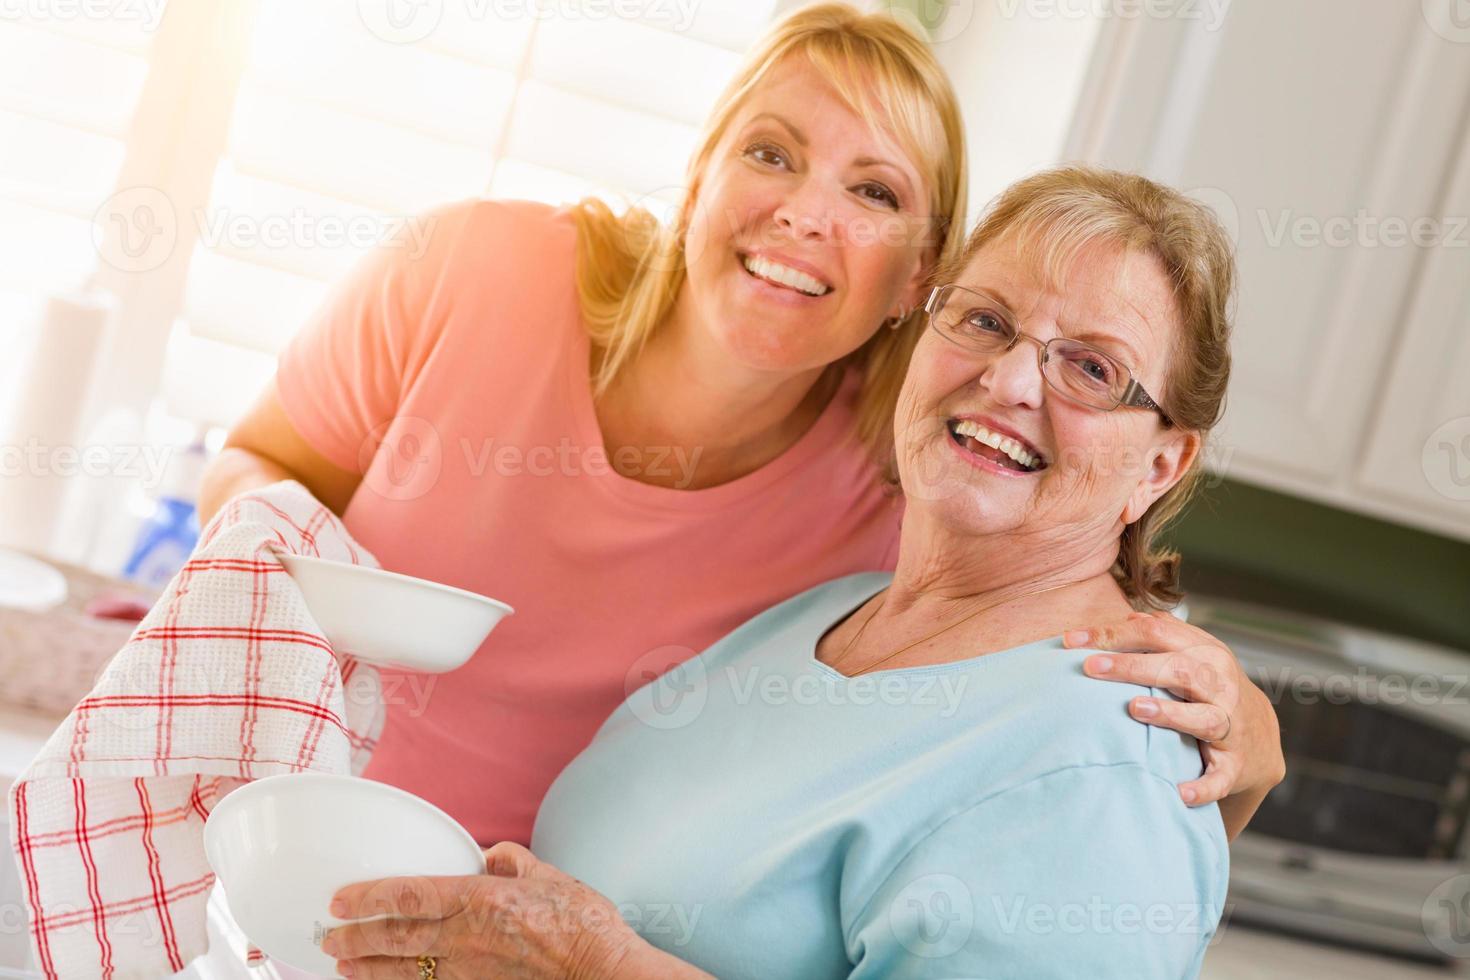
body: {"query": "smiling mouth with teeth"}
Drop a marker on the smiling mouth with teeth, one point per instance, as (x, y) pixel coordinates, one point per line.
(1001, 450)
(777, 274)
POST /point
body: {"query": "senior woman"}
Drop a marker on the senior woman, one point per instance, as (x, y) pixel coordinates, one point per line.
(909, 775)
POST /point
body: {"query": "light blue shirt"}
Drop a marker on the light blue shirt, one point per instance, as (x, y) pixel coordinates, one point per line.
(758, 814)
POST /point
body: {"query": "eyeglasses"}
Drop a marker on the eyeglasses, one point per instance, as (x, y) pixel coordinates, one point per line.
(979, 322)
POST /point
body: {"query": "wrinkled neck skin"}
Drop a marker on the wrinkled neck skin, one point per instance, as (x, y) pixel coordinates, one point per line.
(682, 393)
(942, 577)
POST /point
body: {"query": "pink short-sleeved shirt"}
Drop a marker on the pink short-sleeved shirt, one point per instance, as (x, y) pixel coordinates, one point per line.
(455, 377)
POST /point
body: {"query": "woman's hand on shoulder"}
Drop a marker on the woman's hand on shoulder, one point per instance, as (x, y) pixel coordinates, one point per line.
(1234, 721)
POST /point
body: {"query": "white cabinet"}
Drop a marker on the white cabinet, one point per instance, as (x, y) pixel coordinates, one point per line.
(1418, 448)
(1331, 137)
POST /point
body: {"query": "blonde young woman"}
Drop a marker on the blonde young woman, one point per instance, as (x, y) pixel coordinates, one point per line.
(642, 437)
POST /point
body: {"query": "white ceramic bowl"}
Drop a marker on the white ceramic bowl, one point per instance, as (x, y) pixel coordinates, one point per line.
(283, 845)
(394, 620)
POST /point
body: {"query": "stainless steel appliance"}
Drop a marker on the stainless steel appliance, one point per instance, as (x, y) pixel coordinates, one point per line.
(1366, 840)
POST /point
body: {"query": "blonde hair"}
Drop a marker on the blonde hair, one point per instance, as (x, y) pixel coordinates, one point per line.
(1051, 217)
(630, 267)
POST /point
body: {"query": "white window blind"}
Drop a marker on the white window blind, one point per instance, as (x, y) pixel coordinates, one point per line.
(68, 90)
(335, 129)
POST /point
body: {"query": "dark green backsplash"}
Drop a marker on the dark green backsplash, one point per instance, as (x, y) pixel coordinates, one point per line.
(1249, 543)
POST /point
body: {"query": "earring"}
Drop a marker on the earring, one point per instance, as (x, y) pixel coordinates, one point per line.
(894, 322)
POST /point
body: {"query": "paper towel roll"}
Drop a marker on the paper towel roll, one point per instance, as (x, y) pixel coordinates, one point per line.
(40, 454)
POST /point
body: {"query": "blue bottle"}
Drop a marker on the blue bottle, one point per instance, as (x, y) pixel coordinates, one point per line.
(169, 535)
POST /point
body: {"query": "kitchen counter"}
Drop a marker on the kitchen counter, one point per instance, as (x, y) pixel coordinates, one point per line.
(1243, 953)
(22, 733)
(50, 659)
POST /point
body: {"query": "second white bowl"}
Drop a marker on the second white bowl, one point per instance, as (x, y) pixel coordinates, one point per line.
(394, 620)
(283, 845)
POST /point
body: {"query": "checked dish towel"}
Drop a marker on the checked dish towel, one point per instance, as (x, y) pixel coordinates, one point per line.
(227, 679)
